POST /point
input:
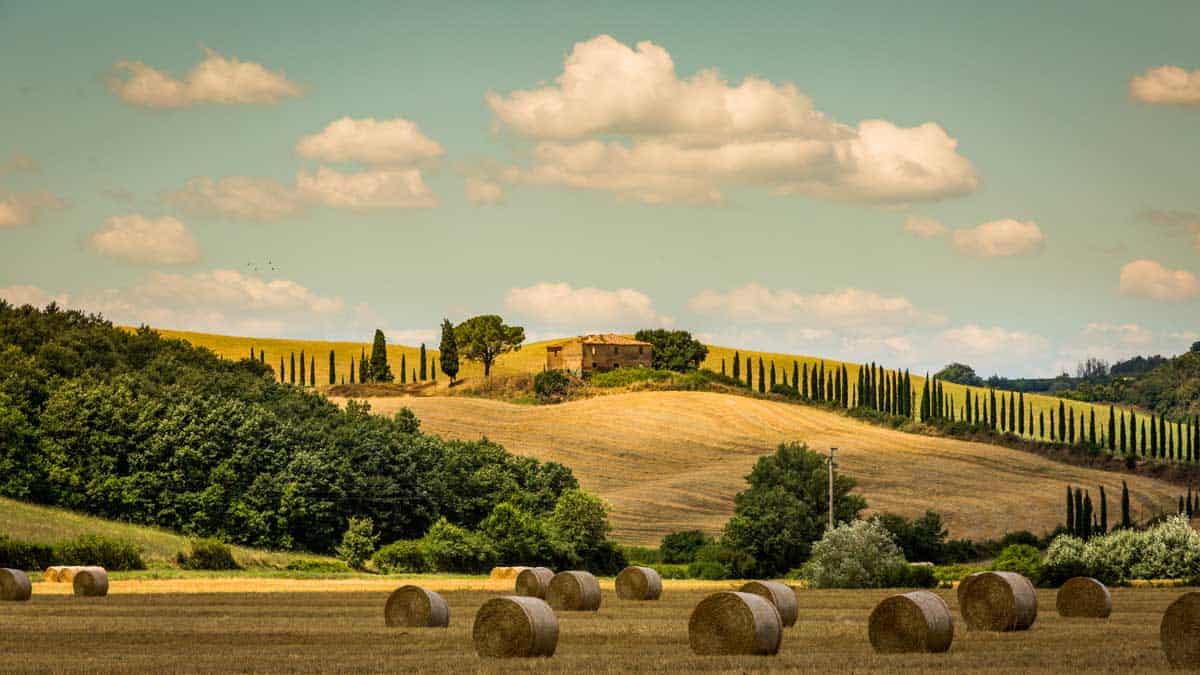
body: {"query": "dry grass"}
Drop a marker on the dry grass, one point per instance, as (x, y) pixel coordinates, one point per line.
(344, 631)
(670, 461)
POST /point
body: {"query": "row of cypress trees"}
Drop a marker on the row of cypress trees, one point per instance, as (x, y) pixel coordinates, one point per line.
(1085, 521)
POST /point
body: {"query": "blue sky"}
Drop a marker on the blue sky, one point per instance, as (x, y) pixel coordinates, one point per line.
(1013, 186)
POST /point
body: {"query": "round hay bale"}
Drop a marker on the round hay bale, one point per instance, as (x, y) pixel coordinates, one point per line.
(638, 583)
(912, 622)
(962, 587)
(780, 595)
(731, 622)
(1084, 597)
(14, 585)
(999, 601)
(534, 581)
(415, 607)
(515, 626)
(67, 573)
(505, 573)
(574, 591)
(90, 582)
(1180, 631)
(51, 573)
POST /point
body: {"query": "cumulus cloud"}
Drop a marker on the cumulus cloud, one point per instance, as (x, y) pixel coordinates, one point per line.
(363, 190)
(925, 228)
(851, 308)
(237, 197)
(1166, 85)
(481, 191)
(1149, 279)
(562, 304)
(217, 80)
(147, 241)
(973, 340)
(1175, 222)
(999, 238)
(620, 120)
(22, 294)
(394, 142)
(27, 208)
(1116, 342)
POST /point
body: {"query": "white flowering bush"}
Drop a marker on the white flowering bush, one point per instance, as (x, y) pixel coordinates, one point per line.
(861, 554)
(1169, 550)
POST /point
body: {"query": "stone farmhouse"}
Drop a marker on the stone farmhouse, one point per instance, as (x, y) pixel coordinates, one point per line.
(588, 354)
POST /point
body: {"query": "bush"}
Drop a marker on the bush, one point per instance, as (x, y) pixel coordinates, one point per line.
(1064, 560)
(910, 576)
(1169, 550)
(856, 555)
(604, 559)
(708, 569)
(90, 549)
(23, 555)
(785, 390)
(642, 555)
(681, 547)
(1021, 537)
(1022, 559)
(450, 548)
(671, 571)
(519, 537)
(921, 539)
(551, 385)
(624, 377)
(317, 566)
(207, 554)
(358, 542)
(406, 556)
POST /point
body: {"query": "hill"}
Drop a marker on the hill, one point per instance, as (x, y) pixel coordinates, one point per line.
(669, 461)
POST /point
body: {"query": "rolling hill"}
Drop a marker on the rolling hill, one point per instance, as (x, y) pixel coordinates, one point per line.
(669, 461)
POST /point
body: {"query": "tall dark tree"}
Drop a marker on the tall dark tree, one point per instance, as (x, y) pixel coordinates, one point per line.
(262, 356)
(804, 391)
(1070, 510)
(351, 370)
(1112, 429)
(303, 378)
(925, 409)
(448, 351)
(1091, 427)
(332, 367)
(722, 367)
(1021, 414)
(1087, 516)
(1126, 521)
(796, 377)
(364, 367)
(292, 372)
(312, 370)
(762, 385)
(749, 373)
(1124, 437)
(380, 370)
(1062, 422)
(424, 372)
(1133, 433)
(772, 387)
(1103, 511)
(282, 372)
(1071, 426)
(403, 368)
(1042, 424)
(737, 366)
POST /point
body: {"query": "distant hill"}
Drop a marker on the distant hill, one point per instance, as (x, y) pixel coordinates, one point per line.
(1171, 388)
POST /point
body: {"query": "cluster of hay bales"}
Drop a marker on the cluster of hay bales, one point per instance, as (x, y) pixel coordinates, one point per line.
(779, 594)
(639, 583)
(515, 626)
(61, 573)
(505, 573)
(415, 607)
(732, 622)
(998, 601)
(14, 585)
(1083, 597)
(574, 591)
(912, 622)
(532, 582)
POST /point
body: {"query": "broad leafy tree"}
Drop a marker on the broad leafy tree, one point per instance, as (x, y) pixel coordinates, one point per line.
(674, 349)
(484, 338)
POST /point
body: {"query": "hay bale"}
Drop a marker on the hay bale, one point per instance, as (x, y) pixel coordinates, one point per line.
(999, 601)
(534, 581)
(90, 582)
(962, 587)
(1180, 631)
(14, 585)
(911, 622)
(732, 622)
(574, 591)
(67, 573)
(505, 573)
(1084, 597)
(780, 595)
(638, 583)
(51, 573)
(515, 626)
(415, 607)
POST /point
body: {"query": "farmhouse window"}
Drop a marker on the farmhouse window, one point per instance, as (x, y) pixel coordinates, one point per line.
(639, 351)
(616, 349)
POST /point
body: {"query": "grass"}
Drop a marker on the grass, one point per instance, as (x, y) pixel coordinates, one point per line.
(325, 626)
(673, 460)
(47, 525)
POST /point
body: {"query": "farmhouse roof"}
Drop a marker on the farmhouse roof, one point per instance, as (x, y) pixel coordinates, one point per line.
(609, 339)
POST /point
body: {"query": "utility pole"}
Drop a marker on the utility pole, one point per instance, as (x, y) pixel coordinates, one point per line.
(832, 466)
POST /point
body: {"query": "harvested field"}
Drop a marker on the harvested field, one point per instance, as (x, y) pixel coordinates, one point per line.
(310, 630)
(670, 461)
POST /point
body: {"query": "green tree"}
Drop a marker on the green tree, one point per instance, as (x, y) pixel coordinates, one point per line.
(518, 537)
(448, 351)
(580, 520)
(484, 338)
(303, 377)
(737, 366)
(312, 370)
(762, 384)
(358, 543)
(1103, 511)
(380, 370)
(959, 373)
(332, 367)
(352, 370)
(292, 374)
(1126, 521)
(424, 373)
(673, 349)
(403, 368)
(679, 548)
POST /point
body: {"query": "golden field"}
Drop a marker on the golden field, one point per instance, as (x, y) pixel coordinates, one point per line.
(674, 460)
(314, 626)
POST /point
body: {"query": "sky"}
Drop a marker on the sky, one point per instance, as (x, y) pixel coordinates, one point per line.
(1014, 187)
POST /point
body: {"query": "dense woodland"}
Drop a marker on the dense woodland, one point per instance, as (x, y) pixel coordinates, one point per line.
(131, 426)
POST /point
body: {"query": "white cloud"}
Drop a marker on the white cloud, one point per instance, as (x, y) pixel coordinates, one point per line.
(230, 289)
(999, 238)
(27, 208)
(216, 79)
(562, 304)
(973, 340)
(1117, 342)
(1167, 85)
(148, 241)
(1149, 279)
(22, 294)
(395, 142)
(925, 228)
(1125, 333)
(373, 189)
(412, 336)
(481, 191)
(239, 197)
(684, 139)
(851, 308)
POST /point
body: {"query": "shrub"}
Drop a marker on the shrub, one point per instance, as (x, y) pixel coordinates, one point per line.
(707, 569)
(358, 542)
(406, 556)
(23, 555)
(681, 547)
(317, 566)
(606, 558)
(642, 555)
(624, 377)
(519, 537)
(855, 555)
(207, 554)
(784, 390)
(1064, 560)
(450, 548)
(1169, 550)
(90, 549)
(1022, 559)
(671, 571)
(910, 576)
(1021, 537)
(551, 385)
(921, 539)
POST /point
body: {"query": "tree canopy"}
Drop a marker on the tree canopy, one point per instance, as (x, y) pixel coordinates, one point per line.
(484, 338)
(674, 349)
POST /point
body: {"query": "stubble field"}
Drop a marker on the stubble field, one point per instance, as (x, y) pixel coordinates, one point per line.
(321, 626)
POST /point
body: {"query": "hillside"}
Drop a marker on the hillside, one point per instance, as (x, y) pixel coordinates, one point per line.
(668, 461)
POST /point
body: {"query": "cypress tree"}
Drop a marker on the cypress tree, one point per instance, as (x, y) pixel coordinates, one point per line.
(379, 368)
(292, 373)
(992, 419)
(1021, 414)
(448, 352)
(332, 375)
(351, 370)
(772, 376)
(749, 373)
(1103, 511)
(1153, 438)
(822, 393)
(1112, 429)
(312, 370)
(1012, 413)
(281, 370)
(1070, 510)
(432, 369)
(262, 356)
(796, 377)
(762, 384)
(967, 407)
(1078, 512)
(722, 367)
(1087, 516)
(804, 381)
(364, 368)
(1053, 436)
(1042, 424)
(1143, 438)
(1062, 422)
(925, 400)
(403, 369)
(1091, 427)
(303, 379)
(1071, 426)
(1126, 521)
(1124, 437)
(425, 372)
(737, 366)
(1004, 425)
(845, 385)
(414, 374)
(251, 352)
